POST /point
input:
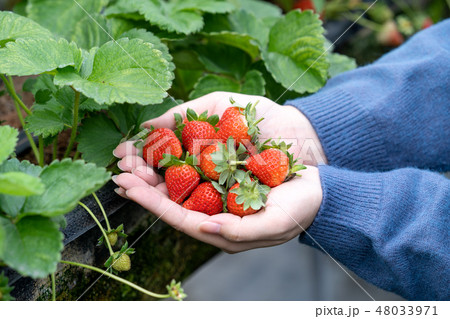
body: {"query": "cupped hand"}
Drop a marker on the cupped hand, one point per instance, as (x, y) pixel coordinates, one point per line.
(290, 208)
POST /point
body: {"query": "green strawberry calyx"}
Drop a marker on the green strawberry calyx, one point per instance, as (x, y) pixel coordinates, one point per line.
(227, 160)
(251, 193)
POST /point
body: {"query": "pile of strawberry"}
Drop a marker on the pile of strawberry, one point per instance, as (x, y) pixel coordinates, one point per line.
(214, 166)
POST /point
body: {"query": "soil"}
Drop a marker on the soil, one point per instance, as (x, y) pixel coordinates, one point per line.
(8, 116)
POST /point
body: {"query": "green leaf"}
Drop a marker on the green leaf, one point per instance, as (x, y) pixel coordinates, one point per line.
(34, 246)
(66, 182)
(241, 41)
(62, 16)
(224, 59)
(261, 9)
(254, 83)
(181, 16)
(295, 53)
(245, 22)
(42, 82)
(149, 112)
(340, 63)
(35, 56)
(5, 289)
(8, 142)
(11, 205)
(14, 26)
(44, 123)
(20, 184)
(147, 36)
(130, 71)
(211, 83)
(91, 31)
(97, 139)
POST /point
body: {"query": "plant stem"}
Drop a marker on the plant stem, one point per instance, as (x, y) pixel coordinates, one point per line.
(73, 135)
(111, 252)
(12, 92)
(363, 21)
(77, 154)
(53, 287)
(41, 151)
(55, 149)
(124, 281)
(103, 211)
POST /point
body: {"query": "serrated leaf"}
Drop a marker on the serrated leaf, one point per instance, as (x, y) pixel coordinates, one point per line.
(14, 26)
(245, 22)
(97, 139)
(35, 56)
(124, 71)
(44, 123)
(11, 205)
(8, 141)
(147, 36)
(42, 82)
(254, 83)
(66, 182)
(340, 63)
(20, 184)
(182, 16)
(62, 16)
(295, 53)
(91, 31)
(34, 245)
(211, 83)
(261, 9)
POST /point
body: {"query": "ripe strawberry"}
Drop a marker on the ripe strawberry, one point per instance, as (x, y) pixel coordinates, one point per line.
(427, 22)
(241, 126)
(196, 131)
(181, 180)
(231, 112)
(207, 165)
(304, 5)
(122, 263)
(161, 141)
(247, 197)
(206, 199)
(273, 165)
(197, 135)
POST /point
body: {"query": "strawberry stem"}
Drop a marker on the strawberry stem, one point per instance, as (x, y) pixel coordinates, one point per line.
(108, 227)
(235, 163)
(119, 279)
(73, 135)
(111, 252)
(53, 286)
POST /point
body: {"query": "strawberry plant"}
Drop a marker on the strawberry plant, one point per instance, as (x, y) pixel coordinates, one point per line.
(98, 69)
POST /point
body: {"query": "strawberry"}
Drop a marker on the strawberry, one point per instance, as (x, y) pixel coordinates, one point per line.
(122, 262)
(304, 5)
(161, 141)
(241, 127)
(181, 177)
(427, 22)
(206, 164)
(230, 112)
(389, 35)
(198, 132)
(247, 197)
(273, 165)
(226, 160)
(206, 199)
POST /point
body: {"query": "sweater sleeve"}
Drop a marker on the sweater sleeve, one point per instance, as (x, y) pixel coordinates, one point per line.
(390, 228)
(390, 114)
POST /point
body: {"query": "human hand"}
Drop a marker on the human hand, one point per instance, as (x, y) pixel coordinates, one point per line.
(291, 207)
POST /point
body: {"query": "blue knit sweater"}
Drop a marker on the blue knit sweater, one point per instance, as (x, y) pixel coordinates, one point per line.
(383, 127)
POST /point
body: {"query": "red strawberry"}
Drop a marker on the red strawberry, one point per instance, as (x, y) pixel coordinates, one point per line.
(205, 199)
(181, 180)
(230, 112)
(161, 141)
(304, 5)
(241, 126)
(247, 197)
(206, 164)
(270, 166)
(197, 135)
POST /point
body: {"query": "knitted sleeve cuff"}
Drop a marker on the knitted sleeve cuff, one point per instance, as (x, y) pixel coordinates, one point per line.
(350, 205)
(349, 135)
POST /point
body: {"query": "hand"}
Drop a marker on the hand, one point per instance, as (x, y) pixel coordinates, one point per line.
(291, 207)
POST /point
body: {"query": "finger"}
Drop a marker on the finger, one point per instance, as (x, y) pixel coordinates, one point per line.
(148, 174)
(127, 181)
(121, 192)
(163, 189)
(265, 225)
(199, 105)
(124, 149)
(129, 162)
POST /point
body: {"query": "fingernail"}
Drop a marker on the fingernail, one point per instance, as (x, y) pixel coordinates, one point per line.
(117, 190)
(114, 153)
(209, 227)
(114, 177)
(118, 165)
